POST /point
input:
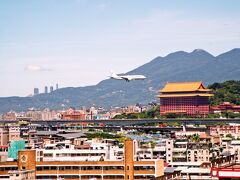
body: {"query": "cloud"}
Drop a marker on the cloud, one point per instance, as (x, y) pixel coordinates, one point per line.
(35, 68)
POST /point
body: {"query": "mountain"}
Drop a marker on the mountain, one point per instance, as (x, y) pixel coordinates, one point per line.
(198, 65)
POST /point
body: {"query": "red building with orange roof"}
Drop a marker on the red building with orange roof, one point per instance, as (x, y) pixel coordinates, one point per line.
(225, 106)
(72, 114)
(189, 98)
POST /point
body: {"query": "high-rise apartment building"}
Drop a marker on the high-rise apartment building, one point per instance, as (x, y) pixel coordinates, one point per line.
(127, 169)
(46, 89)
(35, 91)
(51, 89)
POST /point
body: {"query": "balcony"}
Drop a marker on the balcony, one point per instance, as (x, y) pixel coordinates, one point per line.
(179, 156)
(82, 172)
(179, 149)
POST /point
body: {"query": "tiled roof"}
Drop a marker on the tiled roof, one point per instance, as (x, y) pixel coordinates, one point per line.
(183, 87)
(184, 95)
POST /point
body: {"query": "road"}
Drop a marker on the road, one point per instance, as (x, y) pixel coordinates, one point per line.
(129, 122)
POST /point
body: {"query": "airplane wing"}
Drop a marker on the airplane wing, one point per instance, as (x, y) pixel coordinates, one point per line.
(127, 78)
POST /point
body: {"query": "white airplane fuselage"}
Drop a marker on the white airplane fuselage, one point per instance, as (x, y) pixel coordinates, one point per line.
(127, 77)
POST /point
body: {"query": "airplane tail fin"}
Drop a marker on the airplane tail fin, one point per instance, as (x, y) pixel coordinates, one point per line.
(112, 73)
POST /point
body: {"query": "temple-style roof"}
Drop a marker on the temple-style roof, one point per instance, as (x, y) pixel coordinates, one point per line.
(184, 87)
(185, 95)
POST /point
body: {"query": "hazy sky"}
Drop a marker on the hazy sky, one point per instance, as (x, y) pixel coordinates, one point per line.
(77, 42)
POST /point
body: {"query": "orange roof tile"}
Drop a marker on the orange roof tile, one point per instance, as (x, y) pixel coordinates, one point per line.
(184, 95)
(183, 87)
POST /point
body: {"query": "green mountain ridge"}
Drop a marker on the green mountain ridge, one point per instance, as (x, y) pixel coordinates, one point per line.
(198, 65)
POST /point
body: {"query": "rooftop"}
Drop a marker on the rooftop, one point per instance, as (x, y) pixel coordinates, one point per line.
(186, 95)
(197, 170)
(185, 164)
(184, 87)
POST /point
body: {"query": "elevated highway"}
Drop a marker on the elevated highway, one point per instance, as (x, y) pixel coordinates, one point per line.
(146, 128)
(129, 122)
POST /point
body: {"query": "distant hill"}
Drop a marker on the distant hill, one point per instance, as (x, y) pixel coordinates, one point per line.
(198, 65)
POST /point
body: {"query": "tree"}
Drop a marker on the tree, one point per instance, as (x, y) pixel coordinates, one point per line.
(171, 115)
(229, 136)
(153, 144)
(195, 138)
(120, 116)
(101, 158)
(228, 91)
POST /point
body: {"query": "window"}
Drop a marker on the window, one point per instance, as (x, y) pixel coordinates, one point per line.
(46, 168)
(68, 167)
(39, 168)
(53, 167)
(48, 155)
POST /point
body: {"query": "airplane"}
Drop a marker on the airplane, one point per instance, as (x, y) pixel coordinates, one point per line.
(127, 78)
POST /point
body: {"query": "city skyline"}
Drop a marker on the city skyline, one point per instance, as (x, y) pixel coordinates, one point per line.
(76, 43)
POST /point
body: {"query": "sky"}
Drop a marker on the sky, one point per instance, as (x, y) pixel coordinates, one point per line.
(77, 42)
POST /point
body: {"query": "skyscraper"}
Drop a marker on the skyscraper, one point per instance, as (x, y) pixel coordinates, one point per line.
(35, 91)
(56, 86)
(51, 89)
(46, 89)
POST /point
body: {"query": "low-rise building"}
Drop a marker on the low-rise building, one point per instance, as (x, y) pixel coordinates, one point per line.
(225, 167)
(225, 106)
(125, 169)
(72, 114)
(224, 130)
(11, 115)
